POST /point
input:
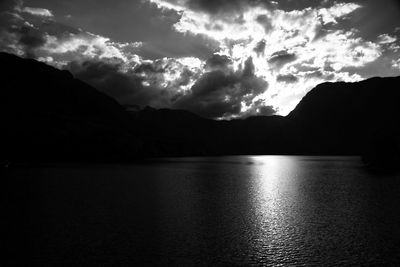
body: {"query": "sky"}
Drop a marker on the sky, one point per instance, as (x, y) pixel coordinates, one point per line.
(220, 59)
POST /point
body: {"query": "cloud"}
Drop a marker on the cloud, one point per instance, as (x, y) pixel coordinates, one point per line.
(127, 88)
(259, 108)
(281, 58)
(158, 83)
(88, 45)
(213, 7)
(177, 83)
(38, 12)
(214, 95)
(396, 64)
(336, 12)
(112, 67)
(109, 78)
(386, 39)
(171, 74)
(390, 43)
(19, 36)
(30, 38)
(231, 7)
(218, 62)
(287, 47)
(39, 36)
(280, 40)
(260, 48)
(266, 111)
(289, 78)
(218, 94)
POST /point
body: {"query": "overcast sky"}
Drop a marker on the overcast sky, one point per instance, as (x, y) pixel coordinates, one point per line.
(217, 58)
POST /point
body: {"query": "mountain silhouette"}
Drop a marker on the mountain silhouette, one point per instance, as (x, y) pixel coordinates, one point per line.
(181, 133)
(49, 115)
(336, 118)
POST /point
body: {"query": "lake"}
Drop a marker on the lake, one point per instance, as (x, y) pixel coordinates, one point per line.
(219, 211)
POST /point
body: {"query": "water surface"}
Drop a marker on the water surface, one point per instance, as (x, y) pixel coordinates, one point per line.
(226, 211)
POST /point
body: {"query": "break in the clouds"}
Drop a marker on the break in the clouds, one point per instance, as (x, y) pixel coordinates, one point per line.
(226, 59)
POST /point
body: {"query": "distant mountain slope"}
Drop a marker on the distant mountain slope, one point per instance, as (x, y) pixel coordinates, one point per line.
(46, 114)
(344, 118)
(333, 118)
(181, 133)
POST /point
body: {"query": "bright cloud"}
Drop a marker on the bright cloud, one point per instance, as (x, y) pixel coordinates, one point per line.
(330, 15)
(87, 44)
(396, 64)
(386, 39)
(299, 44)
(267, 58)
(38, 11)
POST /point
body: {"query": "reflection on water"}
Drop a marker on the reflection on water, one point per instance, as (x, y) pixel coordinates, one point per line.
(227, 211)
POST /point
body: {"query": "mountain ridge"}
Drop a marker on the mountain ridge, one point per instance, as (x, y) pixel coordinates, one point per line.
(48, 114)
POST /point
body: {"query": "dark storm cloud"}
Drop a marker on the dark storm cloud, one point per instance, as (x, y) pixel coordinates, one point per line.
(265, 21)
(248, 70)
(266, 111)
(314, 74)
(215, 6)
(140, 86)
(219, 94)
(289, 78)
(24, 33)
(260, 48)
(215, 94)
(281, 58)
(107, 77)
(31, 39)
(126, 88)
(149, 68)
(218, 62)
(186, 77)
(17, 34)
(212, 82)
(57, 29)
(259, 108)
(7, 40)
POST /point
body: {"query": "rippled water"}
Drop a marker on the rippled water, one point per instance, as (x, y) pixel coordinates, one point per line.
(227, 211)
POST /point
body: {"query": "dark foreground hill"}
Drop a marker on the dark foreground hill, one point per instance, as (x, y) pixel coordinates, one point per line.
(360, 118)
(344, 117)
(47, 114)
